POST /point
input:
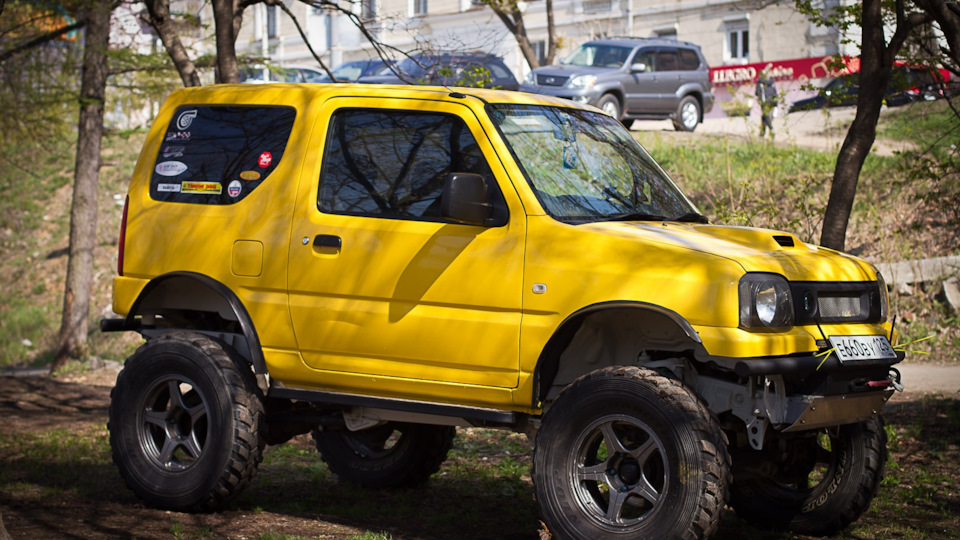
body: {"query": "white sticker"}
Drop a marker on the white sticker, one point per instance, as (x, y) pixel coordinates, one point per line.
(234, 188)
(170, 168)
(172, 151)
(185, 119)
(168, 188)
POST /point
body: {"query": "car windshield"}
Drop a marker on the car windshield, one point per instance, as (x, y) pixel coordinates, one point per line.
(350, 71)
(598, 56)
(584, 166)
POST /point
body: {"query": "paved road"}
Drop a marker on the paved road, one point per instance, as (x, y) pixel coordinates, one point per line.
(930, 378)
(818, 129)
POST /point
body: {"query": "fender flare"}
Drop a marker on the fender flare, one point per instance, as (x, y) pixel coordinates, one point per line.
(548, 364)
(235, 305)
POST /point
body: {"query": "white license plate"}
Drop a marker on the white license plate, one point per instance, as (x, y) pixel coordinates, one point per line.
(852, 348)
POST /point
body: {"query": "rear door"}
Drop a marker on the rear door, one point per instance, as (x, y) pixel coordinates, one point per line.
(380, 284)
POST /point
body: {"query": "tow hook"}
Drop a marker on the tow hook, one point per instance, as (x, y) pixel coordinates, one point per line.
(895, 379)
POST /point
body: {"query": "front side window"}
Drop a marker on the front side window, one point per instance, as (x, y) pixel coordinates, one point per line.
(598, 56)
(392, 164)
(219, 155)
(584, 166)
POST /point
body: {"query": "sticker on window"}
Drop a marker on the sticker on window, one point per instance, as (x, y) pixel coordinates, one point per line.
(201, 187)
(170, 168)
(168, 188)
(185, 118)
(234, 188)
(265, 160)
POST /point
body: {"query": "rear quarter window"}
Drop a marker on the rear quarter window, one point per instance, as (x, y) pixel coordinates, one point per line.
(219, 154)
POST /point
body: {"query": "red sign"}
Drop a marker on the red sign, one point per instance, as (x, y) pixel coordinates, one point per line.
(265, 159)
(797, 69)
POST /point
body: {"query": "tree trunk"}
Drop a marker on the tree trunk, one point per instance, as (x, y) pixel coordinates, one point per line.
(228, 70)
(83, 212)
(159, 11)
(552, 34)
(876, 63)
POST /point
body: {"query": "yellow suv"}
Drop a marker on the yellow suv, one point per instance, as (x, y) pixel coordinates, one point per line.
(380, 264)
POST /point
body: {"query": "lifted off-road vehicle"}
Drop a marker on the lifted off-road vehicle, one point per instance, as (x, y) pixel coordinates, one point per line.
(380, 264)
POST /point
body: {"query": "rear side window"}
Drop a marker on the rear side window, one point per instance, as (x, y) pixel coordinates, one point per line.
(219, 155)
(689, 61)
(392, 164)
(668, 60)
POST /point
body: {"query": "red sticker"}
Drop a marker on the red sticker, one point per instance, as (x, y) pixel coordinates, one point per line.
(265, 160)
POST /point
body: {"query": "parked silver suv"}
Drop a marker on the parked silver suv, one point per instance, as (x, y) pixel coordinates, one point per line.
(632, 79)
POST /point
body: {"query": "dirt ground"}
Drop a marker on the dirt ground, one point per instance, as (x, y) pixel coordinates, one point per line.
(98, 506)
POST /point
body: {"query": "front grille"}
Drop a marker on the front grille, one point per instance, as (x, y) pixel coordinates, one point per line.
(843, 307)
(819, 302)
(551, 80)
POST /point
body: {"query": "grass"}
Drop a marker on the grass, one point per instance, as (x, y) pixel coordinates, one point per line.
(482, 491)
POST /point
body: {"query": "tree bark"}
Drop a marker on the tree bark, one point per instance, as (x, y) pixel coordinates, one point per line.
(83, 212)
(160, 20)
(228, 70)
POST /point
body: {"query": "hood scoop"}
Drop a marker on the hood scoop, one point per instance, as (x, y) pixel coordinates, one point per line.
(784, 240)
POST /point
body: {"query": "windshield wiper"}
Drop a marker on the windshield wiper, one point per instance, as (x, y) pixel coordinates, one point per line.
(691, 217)
(635, 216)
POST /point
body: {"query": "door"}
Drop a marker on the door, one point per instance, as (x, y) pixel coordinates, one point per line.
(640, 87)
(668, 79)
(380, 284)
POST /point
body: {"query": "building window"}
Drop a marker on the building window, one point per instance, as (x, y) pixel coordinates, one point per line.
(419, 7)
(369, 12)
(272, 21)
(738, 42)
(597, 6)
(540, 51)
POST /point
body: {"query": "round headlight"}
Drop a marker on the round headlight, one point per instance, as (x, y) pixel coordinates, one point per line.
(765, 302)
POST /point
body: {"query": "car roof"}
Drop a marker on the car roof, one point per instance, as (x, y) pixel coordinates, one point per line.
(298, 93)
(631, 41)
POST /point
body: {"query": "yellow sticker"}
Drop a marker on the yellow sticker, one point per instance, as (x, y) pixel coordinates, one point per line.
(250, 175)
(201, 187)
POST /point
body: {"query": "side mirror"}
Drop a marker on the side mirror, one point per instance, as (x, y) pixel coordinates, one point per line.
(639, 67)
(464, 199)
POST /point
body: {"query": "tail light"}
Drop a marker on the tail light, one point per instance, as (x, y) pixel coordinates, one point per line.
(123, 237)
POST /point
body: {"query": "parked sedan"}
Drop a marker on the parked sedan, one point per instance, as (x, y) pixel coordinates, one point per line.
(351, 71)
(289, 74)
(449, 69)
(905, 86)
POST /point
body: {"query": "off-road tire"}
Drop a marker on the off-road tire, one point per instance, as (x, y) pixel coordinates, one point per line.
(185, 423)
(391, 455)
(849, 475)
(630, 430)
(610, 105)
(688, 114)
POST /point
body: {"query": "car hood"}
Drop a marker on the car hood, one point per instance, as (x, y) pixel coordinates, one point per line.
(755, 250)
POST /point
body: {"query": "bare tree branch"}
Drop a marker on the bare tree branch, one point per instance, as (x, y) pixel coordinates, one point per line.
(303, 36)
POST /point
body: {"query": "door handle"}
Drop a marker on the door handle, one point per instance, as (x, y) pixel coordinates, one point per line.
(327, 243)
